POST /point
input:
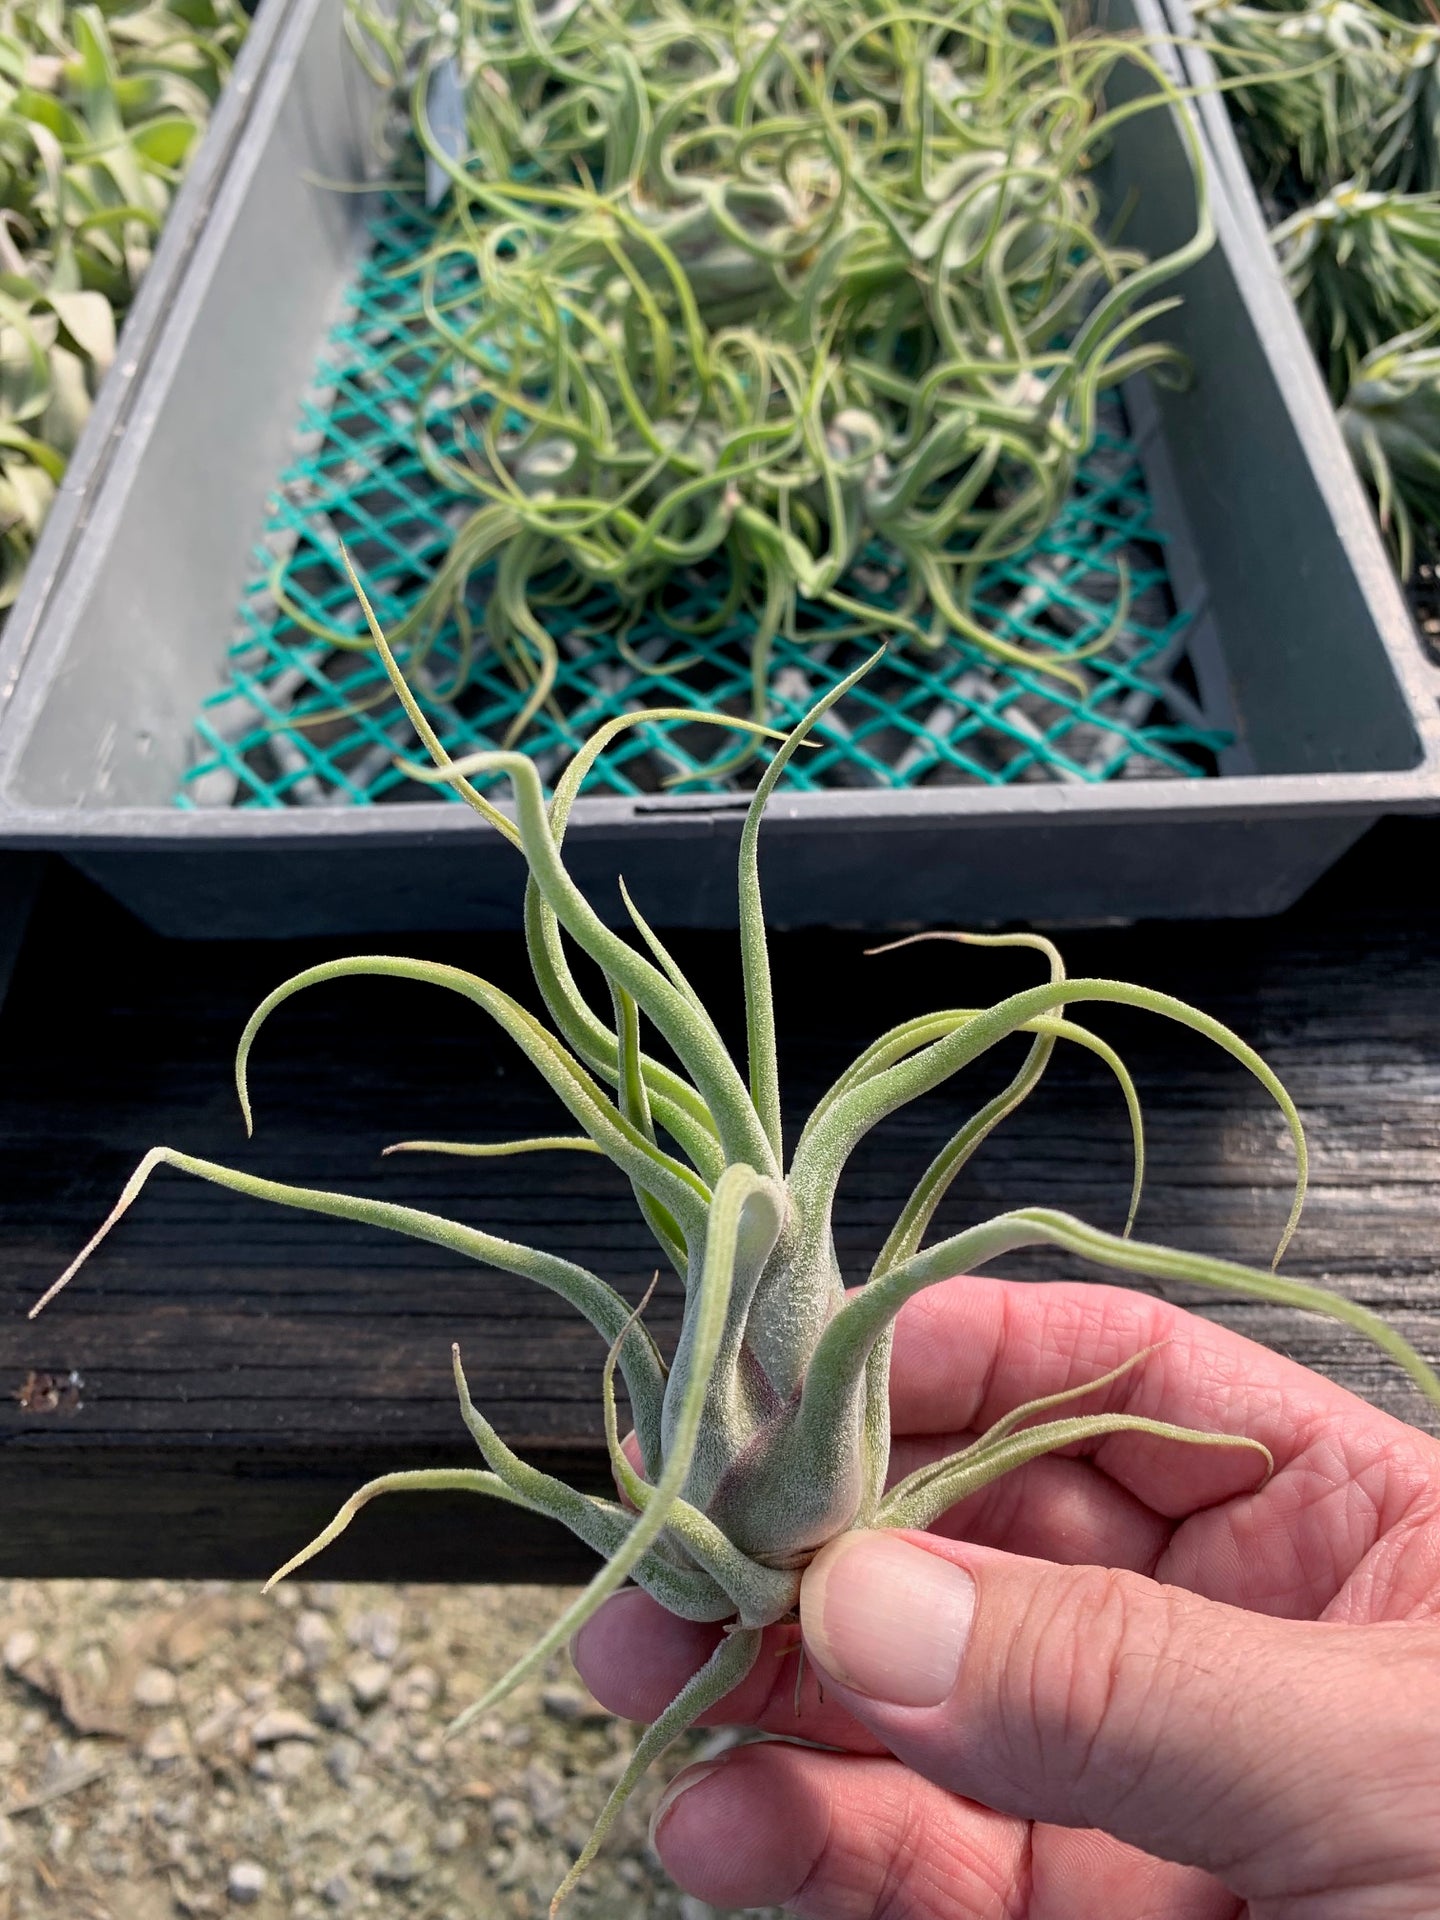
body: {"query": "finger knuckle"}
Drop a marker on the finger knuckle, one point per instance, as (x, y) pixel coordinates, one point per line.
(905, 1861)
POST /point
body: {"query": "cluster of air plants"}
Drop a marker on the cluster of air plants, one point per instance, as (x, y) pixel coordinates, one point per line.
(1338, 109)
(766, 1432)
(1337, 91)
(751, 284)
(99, 107)
(1363, 267)
(1391, 423)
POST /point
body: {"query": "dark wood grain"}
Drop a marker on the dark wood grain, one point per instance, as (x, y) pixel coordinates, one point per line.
(246, 1367)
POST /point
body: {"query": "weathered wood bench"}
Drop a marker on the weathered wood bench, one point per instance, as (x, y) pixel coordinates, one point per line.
(244, 1368)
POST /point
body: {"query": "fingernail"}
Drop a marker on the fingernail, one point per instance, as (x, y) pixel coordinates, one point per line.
(887, 1618)
(682, 1783)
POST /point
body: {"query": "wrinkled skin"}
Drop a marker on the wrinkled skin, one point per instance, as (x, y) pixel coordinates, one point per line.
(1294, 1768)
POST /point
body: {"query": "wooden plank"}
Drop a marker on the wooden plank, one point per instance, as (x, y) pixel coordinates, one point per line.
(246, 1367)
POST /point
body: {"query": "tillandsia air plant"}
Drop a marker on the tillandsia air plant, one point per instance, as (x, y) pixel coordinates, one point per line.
(1331, 92)
(749, 285)
(100, 107)
(1337, 105)
(1391, 423)
(1363, 267)
(767, 1432)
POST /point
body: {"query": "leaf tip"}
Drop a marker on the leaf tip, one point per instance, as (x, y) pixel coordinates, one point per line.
(283, 1573)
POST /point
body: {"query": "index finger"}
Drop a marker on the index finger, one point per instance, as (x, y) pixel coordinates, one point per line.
(970, 1350)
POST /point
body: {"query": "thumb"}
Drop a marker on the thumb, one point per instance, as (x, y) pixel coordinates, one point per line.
(1272, 1753)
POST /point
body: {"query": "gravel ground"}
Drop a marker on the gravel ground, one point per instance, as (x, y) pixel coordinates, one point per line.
(170, 1749)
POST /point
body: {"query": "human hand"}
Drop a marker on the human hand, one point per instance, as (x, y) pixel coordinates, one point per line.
(1128, 1686)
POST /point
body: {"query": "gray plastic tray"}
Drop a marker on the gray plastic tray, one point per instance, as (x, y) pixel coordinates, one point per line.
(1272, 550)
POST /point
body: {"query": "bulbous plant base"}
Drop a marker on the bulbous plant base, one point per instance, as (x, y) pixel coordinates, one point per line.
(768, 1433)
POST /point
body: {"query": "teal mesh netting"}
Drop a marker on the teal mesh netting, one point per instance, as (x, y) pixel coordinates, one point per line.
(299, 721)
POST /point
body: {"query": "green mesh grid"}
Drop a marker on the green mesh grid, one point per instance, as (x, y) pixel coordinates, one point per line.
(301, 722)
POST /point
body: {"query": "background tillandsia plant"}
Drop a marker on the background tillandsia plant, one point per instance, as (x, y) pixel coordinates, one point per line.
(1363, 268)
(1332, 91)
(100, 106)
(767, 1432)
(745, 286)
(1337, 107)
(1391, 422)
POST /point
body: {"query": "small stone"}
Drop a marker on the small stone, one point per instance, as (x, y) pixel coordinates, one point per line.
(546, 1791)
(292, 1758)
(539, 1870)
(416, 1690)
(217, 1718)
(342, 1760)
(246, 1882)
(338, 1893)
(20, 1649)
(324, 1595)
(491, 1728)
(574, 1837)
(282, 1723)
(315, 1638)
(334, 1706)
(395, 1824)
(377, 1632)
(369, 1682)
(382, 1735)
(201, 1625)
(571, 1705)
(427, 1753)
(178, 1815)
(166, 1743)
(450, 1836)
(693, 1909)
(155, 1687)
(607, 1773)
(7, 1836)
(481, 1790)
(508, 1816)
(401, 1867)
(520, 1735)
